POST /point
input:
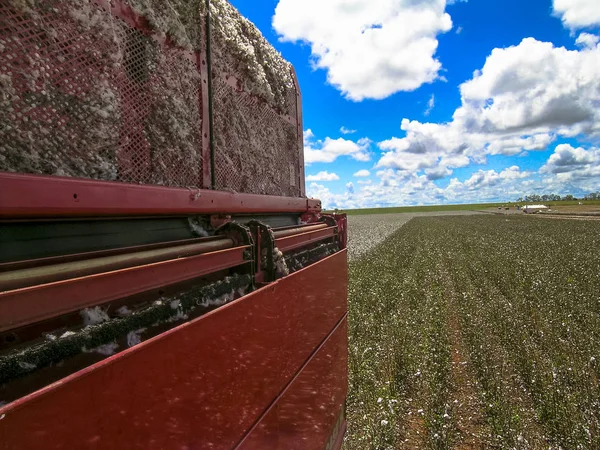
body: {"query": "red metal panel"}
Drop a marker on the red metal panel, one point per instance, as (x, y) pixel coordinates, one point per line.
(300, 240)
(206, 137)
(300, 132)
(304, 416)
(28, 305)
(42, 196)
(337, 445)
(200, 385)
(342, 221)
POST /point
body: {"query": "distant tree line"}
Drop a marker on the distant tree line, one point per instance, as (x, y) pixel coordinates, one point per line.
(556, 198)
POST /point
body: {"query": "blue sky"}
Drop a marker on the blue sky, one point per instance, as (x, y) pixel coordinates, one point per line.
(431, 101)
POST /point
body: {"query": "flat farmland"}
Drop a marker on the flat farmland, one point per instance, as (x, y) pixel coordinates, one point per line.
(379, 226)
(471, 332)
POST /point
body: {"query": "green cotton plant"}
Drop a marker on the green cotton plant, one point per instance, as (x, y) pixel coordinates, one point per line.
(500, 314)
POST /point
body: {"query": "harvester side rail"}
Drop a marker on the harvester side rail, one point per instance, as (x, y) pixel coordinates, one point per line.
(29, 305)
(30, 263)
(286, 244)
(34, 196)
(290, 231)
(47, 274)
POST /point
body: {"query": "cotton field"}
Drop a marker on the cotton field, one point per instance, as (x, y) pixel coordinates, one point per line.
(475, 331)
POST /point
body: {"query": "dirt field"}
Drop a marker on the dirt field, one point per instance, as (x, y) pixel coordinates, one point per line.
(578, 209)
(475, 332)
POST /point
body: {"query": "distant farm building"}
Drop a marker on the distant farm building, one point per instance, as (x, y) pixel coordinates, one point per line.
(531, 209)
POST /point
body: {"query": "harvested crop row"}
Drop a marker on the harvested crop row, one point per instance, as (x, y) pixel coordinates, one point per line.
(483, 328)
(379, 226)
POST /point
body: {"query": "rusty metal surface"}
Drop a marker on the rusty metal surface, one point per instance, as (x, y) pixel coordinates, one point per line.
(202, 384)
(91, 91)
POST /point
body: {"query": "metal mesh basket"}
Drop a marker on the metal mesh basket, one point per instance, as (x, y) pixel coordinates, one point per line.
(91, 90)
(255, 146)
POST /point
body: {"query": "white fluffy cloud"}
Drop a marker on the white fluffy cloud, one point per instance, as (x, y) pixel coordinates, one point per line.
(534, 86)
(397, 188)
(323, 176)
(570, 164)
(345, 130)
(490, 178)
(362, 173)
(370, 48)
(430, 105)
(405, 188)
(327, 151)
(524, 98)
(578, 13)
(568, 170)
(587, 40)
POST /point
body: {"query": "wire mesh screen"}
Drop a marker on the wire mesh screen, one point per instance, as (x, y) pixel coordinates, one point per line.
(95, 90)
(86, 95)
(255, 147)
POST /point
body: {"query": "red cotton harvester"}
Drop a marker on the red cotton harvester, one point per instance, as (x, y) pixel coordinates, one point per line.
(164, 281)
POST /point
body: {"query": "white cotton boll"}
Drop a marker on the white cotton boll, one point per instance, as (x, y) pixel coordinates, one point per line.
(134, 337)
(179, 316)
(66, 334)
(94, 316)
(197, 229)
(106, 349)
(384, 423)
(218, 301)
(176, 304)
(26, 365)
(123, 311)
(281, 268)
